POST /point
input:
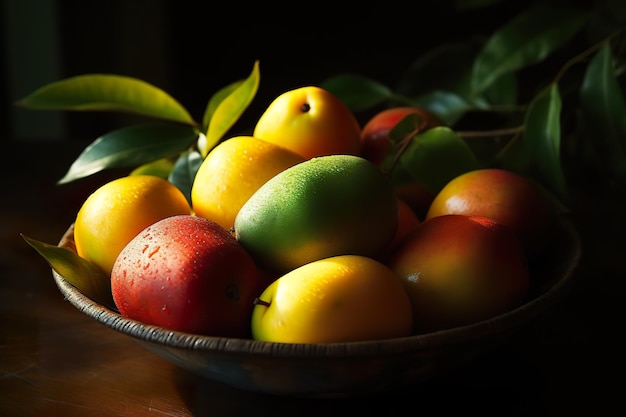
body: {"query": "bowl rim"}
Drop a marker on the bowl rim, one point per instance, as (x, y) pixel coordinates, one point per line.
(443, 338)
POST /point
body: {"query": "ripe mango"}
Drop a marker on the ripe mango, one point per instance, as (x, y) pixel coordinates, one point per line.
(325, 206)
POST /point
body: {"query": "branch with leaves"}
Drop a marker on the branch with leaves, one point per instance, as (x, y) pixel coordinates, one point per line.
(174, 135)
(456, 82)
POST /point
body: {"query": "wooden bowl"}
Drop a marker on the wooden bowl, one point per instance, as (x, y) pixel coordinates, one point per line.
(343, 369)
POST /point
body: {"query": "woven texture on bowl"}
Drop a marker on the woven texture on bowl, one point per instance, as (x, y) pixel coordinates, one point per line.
(342, 369)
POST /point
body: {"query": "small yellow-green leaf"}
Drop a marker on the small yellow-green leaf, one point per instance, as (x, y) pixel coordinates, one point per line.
(159, 168)
(215, 101)
(108, 92)
(231, 108)
(82, 274)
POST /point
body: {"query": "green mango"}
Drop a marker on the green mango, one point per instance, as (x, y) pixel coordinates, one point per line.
(325, 206)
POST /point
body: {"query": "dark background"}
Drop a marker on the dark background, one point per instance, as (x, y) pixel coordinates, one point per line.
(191, 49)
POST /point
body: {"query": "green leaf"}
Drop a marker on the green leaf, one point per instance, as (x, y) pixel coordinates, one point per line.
(448, 106)
(159, 168)
(526, 40)
(82, 274)
(433, 158)
(131, 146)
(537, 153)
(503, 91)
(604, 113)
(444, 89)
(231, 108)
(106, 92)
(215, 101)
(433, 71)
(184, 171)
(357, 92)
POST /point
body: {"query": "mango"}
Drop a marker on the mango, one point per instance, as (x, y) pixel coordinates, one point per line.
(325, 206)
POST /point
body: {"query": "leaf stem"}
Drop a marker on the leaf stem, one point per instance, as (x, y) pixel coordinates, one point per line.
(404, 143)
(585, 54)
(498, 108)
(490, 133)
(510, 143)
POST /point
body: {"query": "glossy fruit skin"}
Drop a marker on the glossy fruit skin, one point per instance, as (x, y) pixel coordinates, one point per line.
(499, 194)
(118, 210)
(460, 270)
(339, 299)
(232, 172)
(375, 133)
(310, 121)
(325, 206)
(187, 273)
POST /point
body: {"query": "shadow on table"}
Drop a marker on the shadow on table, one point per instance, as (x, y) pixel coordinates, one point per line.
(499, 383)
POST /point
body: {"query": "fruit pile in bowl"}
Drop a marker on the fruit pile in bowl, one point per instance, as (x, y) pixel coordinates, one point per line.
(314, 256)
(285, 246)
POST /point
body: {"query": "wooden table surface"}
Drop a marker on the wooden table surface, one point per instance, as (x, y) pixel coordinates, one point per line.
(55, 361)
